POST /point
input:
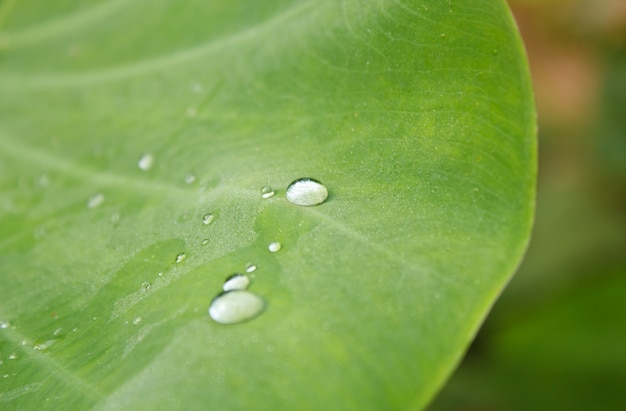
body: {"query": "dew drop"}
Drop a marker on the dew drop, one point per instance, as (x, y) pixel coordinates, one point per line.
(234, 307)
(251, 267)
(95, 200)
(306, 192)
(205, 241)
(4, 324)
(137, 320)
(12, 356)
(190, 178)
(236, 282)
(44, 345)
(146, 161)
(275, 247)
(146, 285)
(43, 180)
(267, 192)
(208, 218)
(181, 257)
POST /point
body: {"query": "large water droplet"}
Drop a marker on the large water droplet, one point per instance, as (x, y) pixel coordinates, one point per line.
(275, 247)
(306, 192)
(236, 282)
(145, 161)
(234, 307)
(181, 257)
(267, 192)
(208, 218)
(95, 200)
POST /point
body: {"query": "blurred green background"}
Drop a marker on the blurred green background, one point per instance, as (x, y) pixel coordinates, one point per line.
(556, 340)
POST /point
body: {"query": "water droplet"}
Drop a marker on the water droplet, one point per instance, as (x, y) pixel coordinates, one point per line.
(267, 192)
(208, 218)
(236, 282)
(43, 180)
(205, 241)
(306, 192)
(12, 356)
(5, 376)
(234, 307)
(181, 257)
(251, 267)
(57, 331)
(146, 285)
(443, 35)
(95, 200)
(146, 161)
(44, 345)
(190, 178)
(4, 324)
(137, 320)
(275, 247)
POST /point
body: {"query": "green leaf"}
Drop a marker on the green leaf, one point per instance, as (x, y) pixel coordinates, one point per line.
(416, 116)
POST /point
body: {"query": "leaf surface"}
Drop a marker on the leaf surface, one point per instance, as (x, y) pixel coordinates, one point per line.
(416, 116)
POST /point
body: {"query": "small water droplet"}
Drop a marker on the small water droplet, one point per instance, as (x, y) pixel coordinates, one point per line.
(208, 218)
(205, 241)
(181, 257)
(267, 192)
(43, 180)
(443, 35)
(44, 345)
(95, 200)
(251, 267)
(306, 192)
(275, 247)
(57, 331)
(137, 320)
(236, 282)
(4, 324)
(12, 356)
(5, 376)
(146, 285)
(234, 307)
(190, 178)
(146, 161)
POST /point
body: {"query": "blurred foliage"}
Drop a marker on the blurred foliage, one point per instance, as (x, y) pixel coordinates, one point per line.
(557, 337)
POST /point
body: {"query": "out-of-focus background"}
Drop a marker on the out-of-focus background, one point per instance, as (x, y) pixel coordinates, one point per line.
(556, 340)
